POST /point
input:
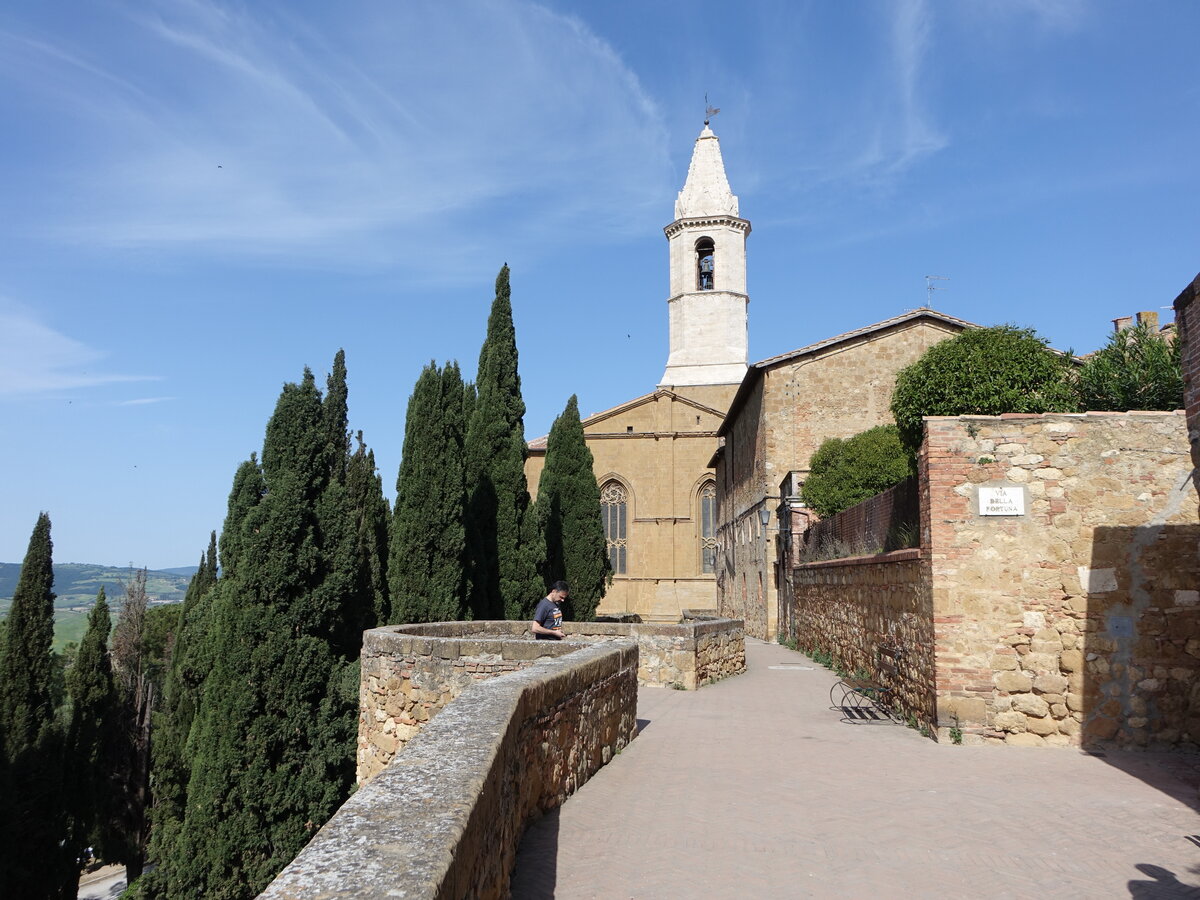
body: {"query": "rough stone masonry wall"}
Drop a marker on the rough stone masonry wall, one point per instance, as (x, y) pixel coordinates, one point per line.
(411, 672)
(446, 817)
(1187, 324)
(852, 607)
(1079, 621)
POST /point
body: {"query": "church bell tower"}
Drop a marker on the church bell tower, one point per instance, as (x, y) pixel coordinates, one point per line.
(708, 300)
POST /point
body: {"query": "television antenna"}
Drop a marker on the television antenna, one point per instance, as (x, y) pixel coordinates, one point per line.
(709, 109)
(930, 287)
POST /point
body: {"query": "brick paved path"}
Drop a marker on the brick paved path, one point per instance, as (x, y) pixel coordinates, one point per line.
(753, 788)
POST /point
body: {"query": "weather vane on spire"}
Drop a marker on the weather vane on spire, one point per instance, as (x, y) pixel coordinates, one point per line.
(709, 110)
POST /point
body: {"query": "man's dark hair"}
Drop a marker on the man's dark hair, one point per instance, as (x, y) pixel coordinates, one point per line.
(559, 586)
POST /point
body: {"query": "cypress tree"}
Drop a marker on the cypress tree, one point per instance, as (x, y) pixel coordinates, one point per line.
(505, 550)
(90, 746)
(568, 510)
(173, 721)
(35, 827)
(272, 743)
(426, 562)
(372, 525)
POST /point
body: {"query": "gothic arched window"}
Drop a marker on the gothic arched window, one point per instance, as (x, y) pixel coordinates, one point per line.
(708, 528)
(614, 503)
(705, 264)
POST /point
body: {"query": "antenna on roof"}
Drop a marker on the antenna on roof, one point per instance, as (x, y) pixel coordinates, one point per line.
(709, 110)
(930, 287)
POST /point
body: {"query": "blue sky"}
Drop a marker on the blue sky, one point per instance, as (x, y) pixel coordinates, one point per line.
(198, 199)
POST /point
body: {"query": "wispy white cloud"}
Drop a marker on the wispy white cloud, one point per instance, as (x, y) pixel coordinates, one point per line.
(144, 401)
(365, 137)
(36, 359)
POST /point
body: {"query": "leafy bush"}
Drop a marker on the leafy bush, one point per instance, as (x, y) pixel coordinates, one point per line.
(983, 371)
(845, 472)
(1136, 369)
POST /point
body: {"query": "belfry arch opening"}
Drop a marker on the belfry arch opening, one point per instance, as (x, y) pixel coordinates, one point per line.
(705, 264)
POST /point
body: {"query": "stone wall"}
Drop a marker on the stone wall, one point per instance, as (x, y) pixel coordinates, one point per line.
(852, 607)
(1187, 324)
(788, 407)
(446, 817)
(410, 673)
(1077, 621)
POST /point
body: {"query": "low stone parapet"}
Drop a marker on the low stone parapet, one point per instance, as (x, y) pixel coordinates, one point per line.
(445, 818)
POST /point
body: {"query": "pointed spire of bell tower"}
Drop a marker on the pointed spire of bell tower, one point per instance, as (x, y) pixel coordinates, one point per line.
(707, 305)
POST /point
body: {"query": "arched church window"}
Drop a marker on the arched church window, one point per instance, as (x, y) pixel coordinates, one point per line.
(708, 528)
(614, 503)
(705, 264)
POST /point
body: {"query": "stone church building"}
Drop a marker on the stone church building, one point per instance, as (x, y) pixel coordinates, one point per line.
(692, 474)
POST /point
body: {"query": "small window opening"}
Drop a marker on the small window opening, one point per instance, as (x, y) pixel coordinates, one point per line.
(629, 429)
(705, 264)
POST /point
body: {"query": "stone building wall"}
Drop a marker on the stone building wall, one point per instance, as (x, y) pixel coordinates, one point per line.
(1077, 621)
(789, 405)
(1187, 324)
(446, 818)
(852, 607)
(658, 448)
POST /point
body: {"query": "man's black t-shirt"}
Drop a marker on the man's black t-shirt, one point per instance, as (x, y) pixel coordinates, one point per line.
(548, 615)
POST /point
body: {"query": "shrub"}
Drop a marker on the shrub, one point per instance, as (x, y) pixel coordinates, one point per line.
(1136, 369)
(983, 371)
(845, 472)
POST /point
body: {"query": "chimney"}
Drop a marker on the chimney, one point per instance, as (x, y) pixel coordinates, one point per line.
(1122, 323)
(1149, 319)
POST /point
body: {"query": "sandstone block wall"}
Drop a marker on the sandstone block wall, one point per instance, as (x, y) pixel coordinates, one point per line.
(1187, 324)
(836, 390)
(1079, 621)
(852, 607)
(408, 678)
(446, 817)
(411, 672)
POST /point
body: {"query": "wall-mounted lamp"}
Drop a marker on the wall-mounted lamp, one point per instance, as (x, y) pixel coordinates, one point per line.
(764, 516)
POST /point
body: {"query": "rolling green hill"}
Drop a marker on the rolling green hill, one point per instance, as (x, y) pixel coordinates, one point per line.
(76, 585)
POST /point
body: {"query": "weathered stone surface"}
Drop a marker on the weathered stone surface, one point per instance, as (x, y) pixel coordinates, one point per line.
(1010, 721)
(1013, 682)
(1030, 705)
(1050, 684)
(1071, 661)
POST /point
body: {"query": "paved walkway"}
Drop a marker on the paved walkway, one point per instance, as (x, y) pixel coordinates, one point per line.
(754, 788)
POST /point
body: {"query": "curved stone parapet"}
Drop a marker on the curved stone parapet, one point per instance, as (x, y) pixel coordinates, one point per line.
(445, 817)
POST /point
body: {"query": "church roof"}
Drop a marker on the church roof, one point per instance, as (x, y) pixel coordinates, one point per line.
(706, 191)
(756, 369)
(538, 445)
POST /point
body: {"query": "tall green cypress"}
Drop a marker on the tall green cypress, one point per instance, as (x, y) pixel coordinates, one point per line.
(34, 826)
(92, 759)
(568, 510)
(181, 694)
(504, 548)
(272, 743)
(426, 563)
(372, 518)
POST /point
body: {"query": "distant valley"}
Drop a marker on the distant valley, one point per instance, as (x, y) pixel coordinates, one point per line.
(76, 585)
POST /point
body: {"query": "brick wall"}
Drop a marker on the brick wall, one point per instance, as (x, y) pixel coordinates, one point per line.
(1187, 323)
(870, 526)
